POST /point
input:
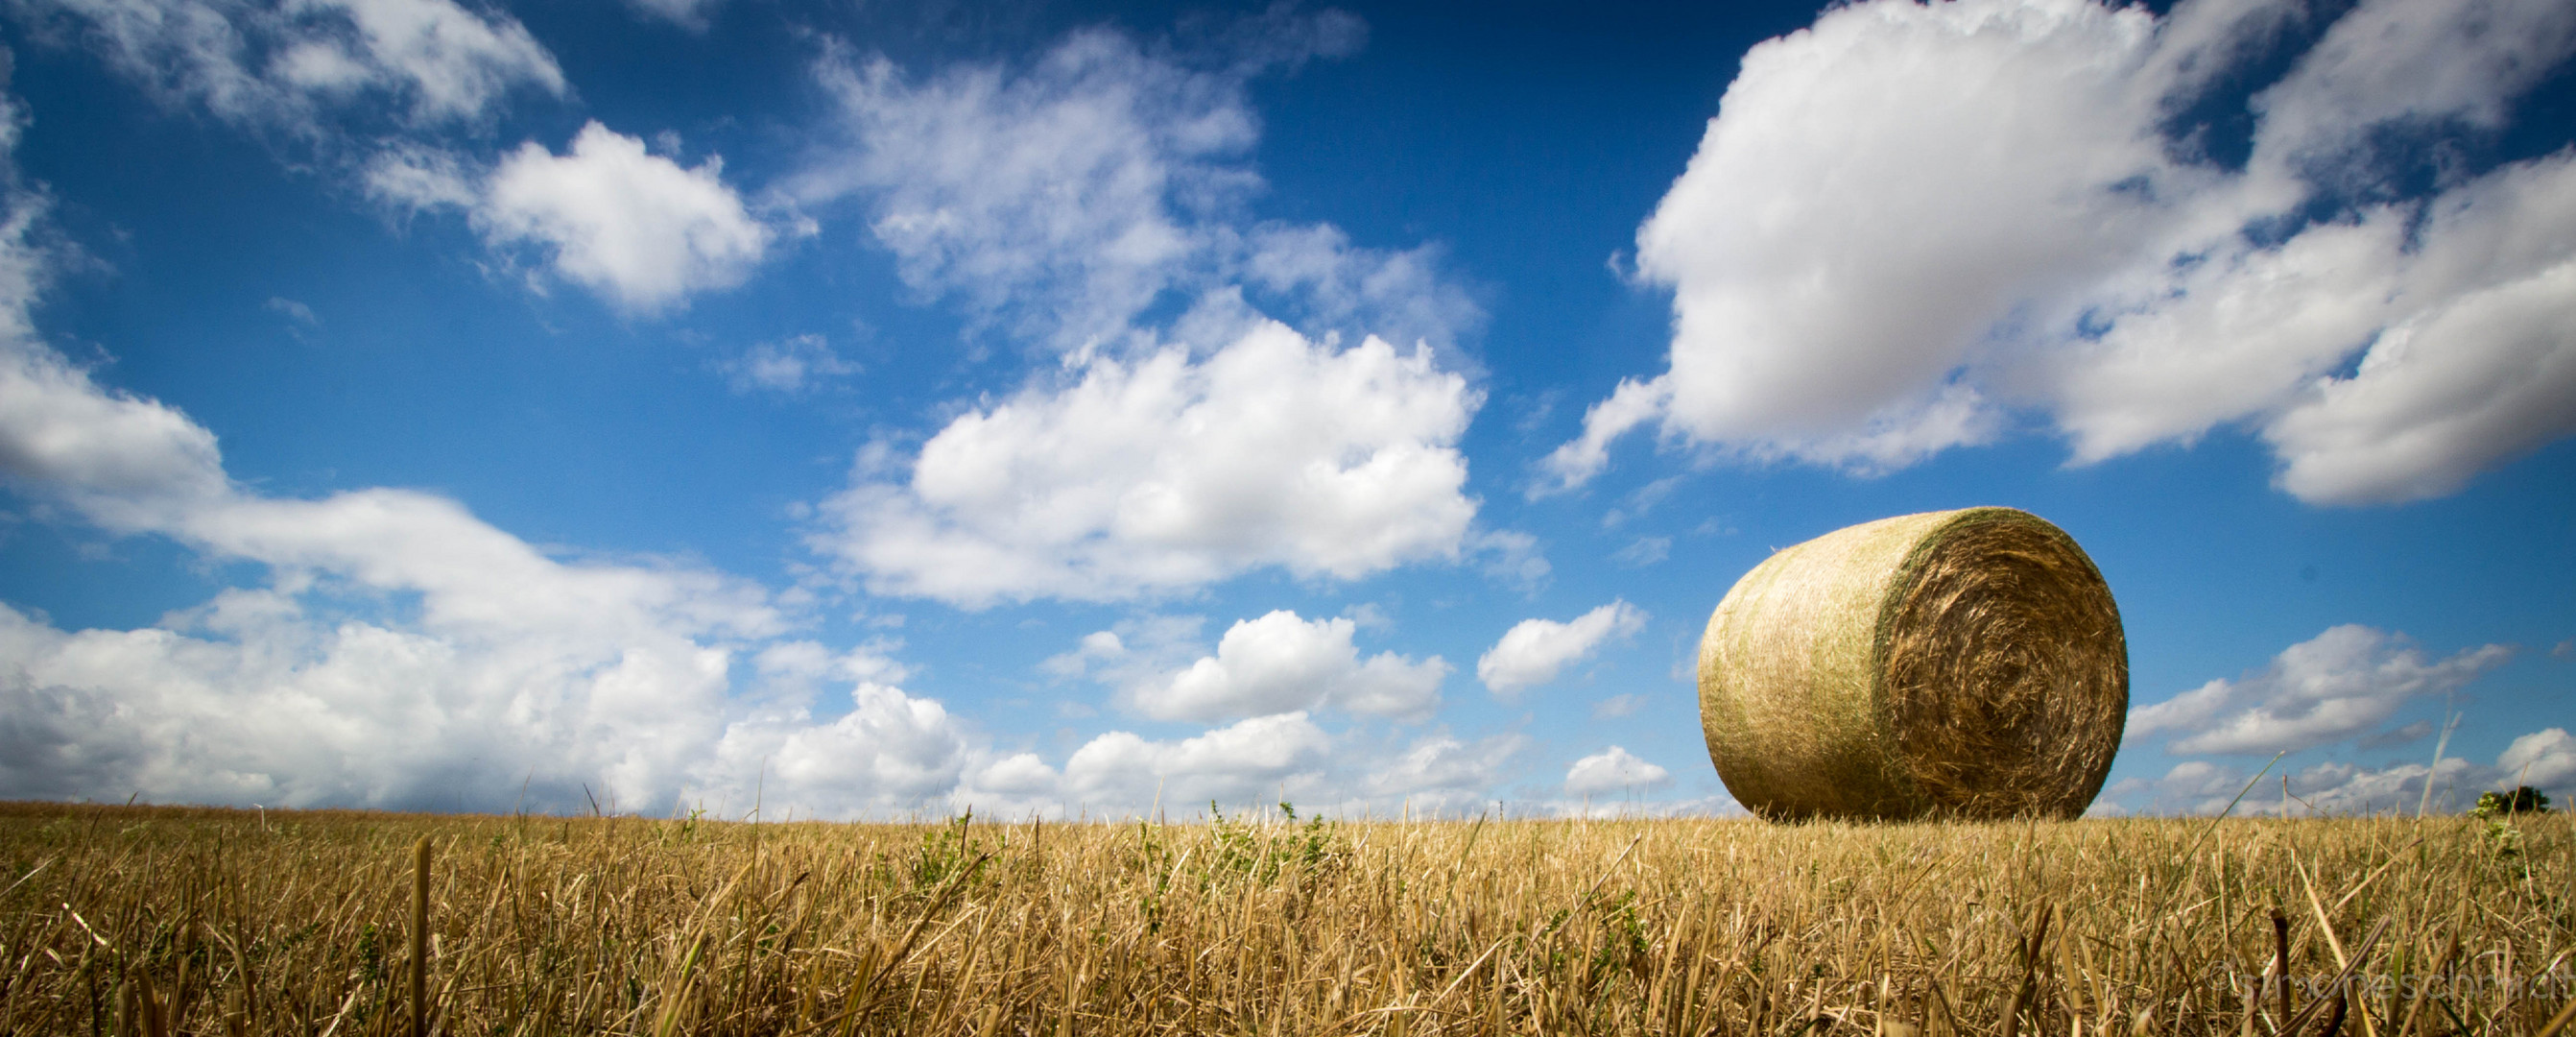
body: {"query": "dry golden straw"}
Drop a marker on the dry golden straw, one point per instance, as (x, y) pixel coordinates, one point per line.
(115, 920)
(1954, 663)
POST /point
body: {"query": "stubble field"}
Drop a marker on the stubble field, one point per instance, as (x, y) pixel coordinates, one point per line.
(165, 920)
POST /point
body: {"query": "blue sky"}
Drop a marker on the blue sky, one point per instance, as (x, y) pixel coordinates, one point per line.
(875, 410)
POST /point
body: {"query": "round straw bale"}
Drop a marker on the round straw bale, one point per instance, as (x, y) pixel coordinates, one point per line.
(1964, 664)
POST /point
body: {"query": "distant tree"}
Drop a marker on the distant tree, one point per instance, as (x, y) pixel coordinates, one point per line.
(2522, 800)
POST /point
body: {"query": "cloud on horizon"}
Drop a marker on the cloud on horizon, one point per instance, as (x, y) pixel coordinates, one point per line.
(2337, 686)
(2544, 759)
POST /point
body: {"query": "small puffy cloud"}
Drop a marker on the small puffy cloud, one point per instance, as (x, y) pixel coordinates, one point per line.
(1260, 760)
(1533, 651)
(1239, 763)
(299, 314)
(638, 229)
(1016, 785)
(1280, 663)
(284, 66)
(2337, 685)
(635, 227)
(1096, 647)
(1165, 472)
(415, 177)
(1440, 773)
(889, 752)
(789, 366)
(1620, 705)
(2541, 759)
(1632, 404)
(1613, 770)
(1910, 222)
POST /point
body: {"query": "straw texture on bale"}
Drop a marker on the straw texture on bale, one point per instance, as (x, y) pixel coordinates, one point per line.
(1964, 664)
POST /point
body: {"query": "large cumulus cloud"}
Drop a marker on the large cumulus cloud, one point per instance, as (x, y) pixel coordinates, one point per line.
(1911, 226)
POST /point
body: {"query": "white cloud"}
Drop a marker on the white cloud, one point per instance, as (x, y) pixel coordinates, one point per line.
(1262, 760)
(2544, 759)
(2541, 759)
(2203, 787)
(259, 702)
(295, 312)
(890, 752)
(632, 226)
(2419, 62)
(790, 366)
(1439, 773)
(1096, 647)
(1846, 235)
(1207, 420)
(1643, 551)
(687, 14)
(1908, 222)
(637, 228)
(1164, 473)
(1335, 284)
(417, 177)
(1280, 663)
(2337, 685)
(1063, 201)
(800, 663)
(284, 65)
(1076, 180)
(1613, 770)
(1533, 651)
(2478, 361)
(123, 459)
(1632, 404)
(1240, 763)
(1621, 705)
(403, 652)
(408, 655)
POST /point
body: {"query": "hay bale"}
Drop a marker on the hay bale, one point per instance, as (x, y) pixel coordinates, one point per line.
(1950, 664)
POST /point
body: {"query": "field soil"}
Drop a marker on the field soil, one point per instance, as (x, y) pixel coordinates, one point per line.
(195, 921)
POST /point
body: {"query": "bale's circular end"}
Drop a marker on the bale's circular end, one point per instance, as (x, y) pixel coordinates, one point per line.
(1959, 663)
